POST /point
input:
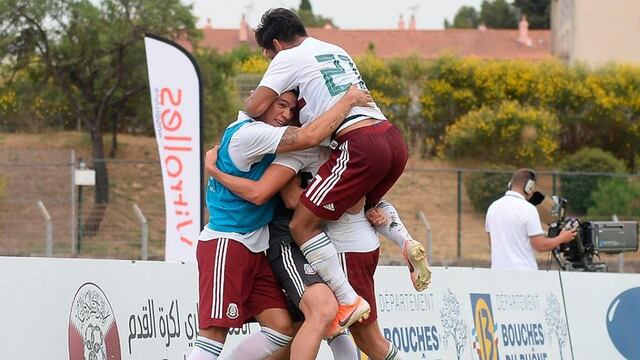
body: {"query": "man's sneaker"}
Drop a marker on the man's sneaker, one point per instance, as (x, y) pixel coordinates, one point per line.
(416, 259)
(358, 311)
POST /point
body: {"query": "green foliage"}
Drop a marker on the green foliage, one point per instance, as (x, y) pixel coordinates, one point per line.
(511, 133)
(381, 78)
(309, 19)
(538, 12)
(578, 189)
(616, 196)
(498, 14)
(220, 102)
(466, 18)
(483, 188)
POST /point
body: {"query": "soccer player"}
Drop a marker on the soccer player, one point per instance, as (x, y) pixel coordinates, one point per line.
(236, 282)
(368, 157)
(359, 258)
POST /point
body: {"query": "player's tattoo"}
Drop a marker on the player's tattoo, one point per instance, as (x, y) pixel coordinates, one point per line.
(290, 136)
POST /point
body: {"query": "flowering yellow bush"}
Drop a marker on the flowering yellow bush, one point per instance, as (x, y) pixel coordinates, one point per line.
(255, 64)
(510, 134)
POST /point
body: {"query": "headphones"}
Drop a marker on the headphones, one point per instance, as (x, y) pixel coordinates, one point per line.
(530, 185)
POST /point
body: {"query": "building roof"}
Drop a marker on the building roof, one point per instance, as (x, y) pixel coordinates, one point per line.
(485, 44)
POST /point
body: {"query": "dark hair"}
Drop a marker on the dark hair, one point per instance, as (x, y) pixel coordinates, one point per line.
(521, 177)
(281, 24)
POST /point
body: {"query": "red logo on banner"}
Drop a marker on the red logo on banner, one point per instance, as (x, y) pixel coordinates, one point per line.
(93, 333)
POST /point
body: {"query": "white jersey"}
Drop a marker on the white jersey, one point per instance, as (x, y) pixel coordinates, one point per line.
(350, 233)
(322, 72)
(510, 222)
(247, 146)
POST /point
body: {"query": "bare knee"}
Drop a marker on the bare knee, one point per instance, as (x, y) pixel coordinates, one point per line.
(304, 225)
(282, 325)
(215, 333)
(319, 305)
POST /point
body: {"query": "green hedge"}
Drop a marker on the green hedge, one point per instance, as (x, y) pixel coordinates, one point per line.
(578, 189)
(483, 188)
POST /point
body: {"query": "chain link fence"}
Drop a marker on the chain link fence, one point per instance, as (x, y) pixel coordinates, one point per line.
(450, 221)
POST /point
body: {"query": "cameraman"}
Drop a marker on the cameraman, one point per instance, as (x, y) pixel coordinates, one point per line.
(514, 228)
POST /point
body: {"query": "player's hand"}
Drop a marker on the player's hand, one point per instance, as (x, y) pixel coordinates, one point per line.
(377, 216)
(568, 235)
(358, 97)
(210, 159)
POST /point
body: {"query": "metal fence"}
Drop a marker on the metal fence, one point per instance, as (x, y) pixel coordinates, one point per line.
(433, 203)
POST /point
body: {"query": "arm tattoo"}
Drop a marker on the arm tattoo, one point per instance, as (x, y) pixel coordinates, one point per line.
(290, 136)
(338, 120)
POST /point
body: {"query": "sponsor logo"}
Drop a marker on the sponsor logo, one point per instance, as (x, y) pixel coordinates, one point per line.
(93, 332)
(623, 323)
(486, 342)
(232, 311)
(308, 269)
(329, 207)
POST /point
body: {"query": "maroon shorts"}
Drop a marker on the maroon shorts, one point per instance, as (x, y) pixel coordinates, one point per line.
(359, 269)
(366, 163)
(235, 284)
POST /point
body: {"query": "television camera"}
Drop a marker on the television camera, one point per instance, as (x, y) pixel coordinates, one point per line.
(592, 238)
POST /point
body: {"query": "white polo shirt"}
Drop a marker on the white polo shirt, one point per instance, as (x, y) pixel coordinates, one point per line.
(510, 222)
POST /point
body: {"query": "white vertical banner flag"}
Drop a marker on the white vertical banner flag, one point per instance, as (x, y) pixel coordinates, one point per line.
(176, 101)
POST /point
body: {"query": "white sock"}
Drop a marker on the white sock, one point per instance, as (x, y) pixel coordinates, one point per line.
(206, 349)
(322, 256)
(260, 345)
(342, 347)
(393, 353)
(394, 229)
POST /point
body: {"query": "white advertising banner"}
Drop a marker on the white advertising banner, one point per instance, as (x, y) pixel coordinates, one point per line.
(474, 314)
(175, 89)
(604, 314)
(97, 309)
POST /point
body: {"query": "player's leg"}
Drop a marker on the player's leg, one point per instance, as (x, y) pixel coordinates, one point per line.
(266, 303)
(370, 341)
(360, 269)
(313, 300)
(342, 347)
(340, 183)
(213, 328)
(413, 251)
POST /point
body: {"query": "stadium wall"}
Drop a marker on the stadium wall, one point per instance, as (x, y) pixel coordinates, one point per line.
(71, 309)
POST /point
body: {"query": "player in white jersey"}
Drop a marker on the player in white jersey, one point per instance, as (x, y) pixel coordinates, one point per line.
(358, 258)
(369, 156)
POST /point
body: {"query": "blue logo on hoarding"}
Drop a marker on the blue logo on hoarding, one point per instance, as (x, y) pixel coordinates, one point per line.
(623, 323)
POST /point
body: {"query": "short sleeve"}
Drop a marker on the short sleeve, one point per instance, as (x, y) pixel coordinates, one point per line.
(280, 74)
(289, 160)
(253, 141)
(534, 227)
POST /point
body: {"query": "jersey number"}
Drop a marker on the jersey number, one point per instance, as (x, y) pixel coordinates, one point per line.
(338, 69)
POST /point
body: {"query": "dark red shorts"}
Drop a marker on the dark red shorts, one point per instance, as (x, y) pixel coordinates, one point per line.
(360, 268)
(366, 163)
(235, 284)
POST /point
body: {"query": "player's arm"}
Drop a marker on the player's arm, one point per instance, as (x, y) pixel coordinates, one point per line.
(291, 192)
(279, 77)
(256, 192)
(259, 100)
(295, 138)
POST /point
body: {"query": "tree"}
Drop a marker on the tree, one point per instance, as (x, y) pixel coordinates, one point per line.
(93, 53)
(466, 18)
(498, 14)
(538, 12)
(309, 19)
